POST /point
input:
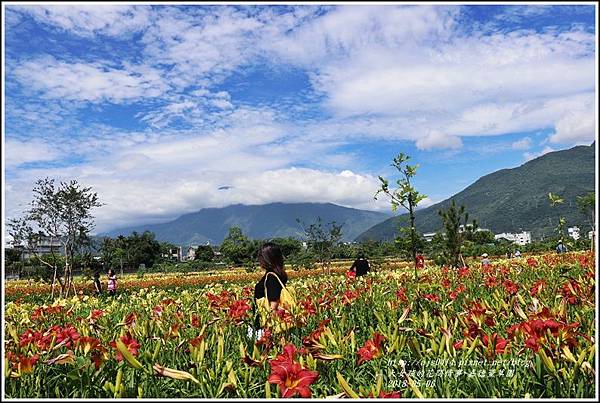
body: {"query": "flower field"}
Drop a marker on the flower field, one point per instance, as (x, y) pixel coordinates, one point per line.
(517, 328)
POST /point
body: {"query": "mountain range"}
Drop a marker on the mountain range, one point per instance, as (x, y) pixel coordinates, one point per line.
(508, 200)
(514, 200)
(266, 221)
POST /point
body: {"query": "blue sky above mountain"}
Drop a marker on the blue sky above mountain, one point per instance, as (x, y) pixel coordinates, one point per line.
(168, 109)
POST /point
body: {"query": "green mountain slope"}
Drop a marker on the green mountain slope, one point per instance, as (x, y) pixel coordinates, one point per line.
(511, 200)
(257, 221)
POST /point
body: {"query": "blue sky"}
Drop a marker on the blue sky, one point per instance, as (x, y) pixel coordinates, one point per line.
(164, 110)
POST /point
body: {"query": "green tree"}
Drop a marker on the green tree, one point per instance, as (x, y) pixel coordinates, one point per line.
(554, 201)
(453, 220)
(406, 196)
(237, 248)
(289, 246)
(59, 213)
(587, 205)
(482, 237)
(204, 253)
(322, 240)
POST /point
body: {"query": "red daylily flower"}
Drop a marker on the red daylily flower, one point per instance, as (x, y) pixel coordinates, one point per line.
(446, 283)
(458, 290)
(537, 287)
(30, 336)
(238, 310)
(309, 307)
(511, 288)
(96, 313)
(463, 272)
(491, 281)
(131, 344)
(314, 337)
(569, 291)
(500, 343)
(195, 322)
(371, 349)
(532, 262)
(350, 275)
(432, 297)
(195, 342)
(26, 364)
(401, 294)
(291, 377)
(90, 343)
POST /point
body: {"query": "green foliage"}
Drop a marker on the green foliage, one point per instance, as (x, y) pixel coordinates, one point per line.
(58, 213)
(131, 251)
(452, 219)
(302, 259)
(237, 249)
(322, 240)
(404, 195)
(560, 226)
(587, 206)
(12, 255)
(204, 253)
(289, 246)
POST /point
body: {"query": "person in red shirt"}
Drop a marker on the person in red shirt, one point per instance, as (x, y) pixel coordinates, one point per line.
(420, 261)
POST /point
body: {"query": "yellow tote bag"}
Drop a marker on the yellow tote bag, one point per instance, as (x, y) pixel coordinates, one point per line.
(287, 301)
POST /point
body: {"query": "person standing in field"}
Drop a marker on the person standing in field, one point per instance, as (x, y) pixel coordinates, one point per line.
(561, 248)
(420, 261)
(270, 259)
(97, 283)
(360, 265)
(112, 282)
(485, 262)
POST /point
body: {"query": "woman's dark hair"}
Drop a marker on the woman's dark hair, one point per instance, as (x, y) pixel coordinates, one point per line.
(111, 272)
(270, 258)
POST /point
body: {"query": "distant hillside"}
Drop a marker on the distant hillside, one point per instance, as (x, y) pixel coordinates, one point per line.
(516, 199)
(258, 222)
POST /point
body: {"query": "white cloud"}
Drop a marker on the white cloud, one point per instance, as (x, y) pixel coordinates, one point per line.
(20, 152)
(89, 82)
(415, 65)
(436, 139)
(523, 144)
(88, 20)
(530, 155)
(577, 126)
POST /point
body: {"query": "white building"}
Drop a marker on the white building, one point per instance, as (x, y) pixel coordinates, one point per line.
(573, 232)
(429, 236)
(521, 238)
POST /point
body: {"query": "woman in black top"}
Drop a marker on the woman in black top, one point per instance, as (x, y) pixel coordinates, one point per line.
(270, 259)
(97, 284)
(360, 265)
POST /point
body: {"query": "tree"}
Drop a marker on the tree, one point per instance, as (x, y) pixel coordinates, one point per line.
(321, 240)
(454, 237)
(587, 205)
(204, 253)
(482, 237)
(236, 248)
(554, 201)
(131, 251)
(405, 195)
(59, 214)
